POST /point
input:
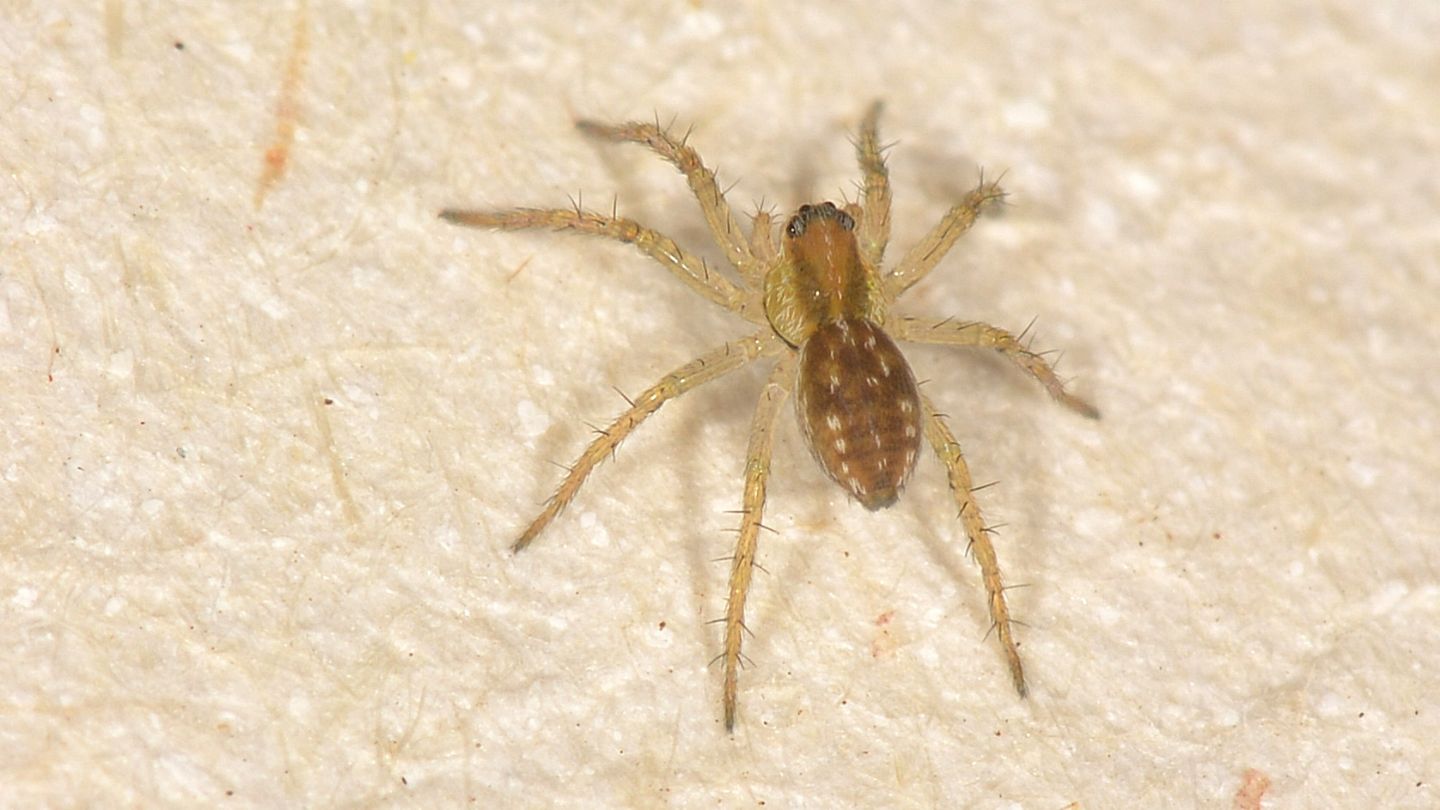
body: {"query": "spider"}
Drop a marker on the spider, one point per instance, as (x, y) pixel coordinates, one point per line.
(821, 303)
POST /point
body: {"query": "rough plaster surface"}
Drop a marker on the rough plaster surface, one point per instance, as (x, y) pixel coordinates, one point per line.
(260, 465)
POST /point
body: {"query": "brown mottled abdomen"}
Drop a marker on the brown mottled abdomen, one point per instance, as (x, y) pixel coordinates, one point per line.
(859, 409)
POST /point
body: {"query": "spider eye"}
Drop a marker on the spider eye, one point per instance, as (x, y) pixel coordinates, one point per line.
(808, 213)
(828, 210)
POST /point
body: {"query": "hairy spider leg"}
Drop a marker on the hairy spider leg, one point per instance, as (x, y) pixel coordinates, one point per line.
(723, 226)
(681, 263)
(707, 368)
(985, 336)
(762, 239)
(873, 232)
(958, 472)
(919, 260)
(757, 476)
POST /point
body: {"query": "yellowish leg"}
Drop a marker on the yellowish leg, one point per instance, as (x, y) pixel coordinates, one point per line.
(959, 333)
(686, 267)
(692, 375)
(921, 259)
(762, 242)
(874, 231)
(757, 474)
(948, 449)
(723, 226)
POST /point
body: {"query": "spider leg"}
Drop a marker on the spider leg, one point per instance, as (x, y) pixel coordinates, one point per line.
(957, 333)
(874, 231)
(707, 368)
(762, 240)
(723, 226)
(757, 474)
(680, 262)
(940, 438)
(921, 259)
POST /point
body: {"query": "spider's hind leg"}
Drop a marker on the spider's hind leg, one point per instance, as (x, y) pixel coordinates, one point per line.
(958, 472)
(742, 567)
(707, 368)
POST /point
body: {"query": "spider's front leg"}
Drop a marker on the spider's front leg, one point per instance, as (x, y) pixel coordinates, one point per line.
(723, 226)
(873, 232)
(685, 266)
(921, 259)
(742, 567)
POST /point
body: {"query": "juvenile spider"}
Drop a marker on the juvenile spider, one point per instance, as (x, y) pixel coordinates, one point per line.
(822, 303)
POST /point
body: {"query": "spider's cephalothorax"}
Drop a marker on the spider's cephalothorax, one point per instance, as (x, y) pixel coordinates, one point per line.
(854, 393)
(819, 301)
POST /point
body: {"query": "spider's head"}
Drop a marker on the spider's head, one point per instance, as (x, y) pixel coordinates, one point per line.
(822, 276)
(822, 239)
(809, 214)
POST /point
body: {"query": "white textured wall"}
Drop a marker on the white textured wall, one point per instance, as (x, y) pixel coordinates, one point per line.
(260, 466)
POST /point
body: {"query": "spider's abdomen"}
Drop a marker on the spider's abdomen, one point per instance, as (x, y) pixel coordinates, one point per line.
(859, 409)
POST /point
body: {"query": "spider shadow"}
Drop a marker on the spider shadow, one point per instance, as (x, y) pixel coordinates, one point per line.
(958, 176)
(805, 177)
